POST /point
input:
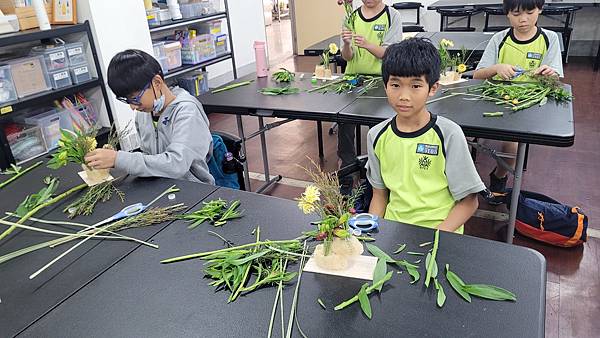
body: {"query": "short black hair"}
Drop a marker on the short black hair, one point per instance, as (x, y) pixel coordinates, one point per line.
(412, 57)
(524, 5)
(131, 70)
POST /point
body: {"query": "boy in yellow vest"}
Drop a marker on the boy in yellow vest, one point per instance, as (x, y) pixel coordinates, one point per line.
(419, 163)
(511, 52)
(376, 26)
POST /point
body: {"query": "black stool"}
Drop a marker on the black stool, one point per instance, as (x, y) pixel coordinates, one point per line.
(491, 11)
(410, 26)
(462, 13)
(569, 13)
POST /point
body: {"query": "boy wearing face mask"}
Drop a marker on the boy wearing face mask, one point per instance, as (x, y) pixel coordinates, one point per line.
(171, 124)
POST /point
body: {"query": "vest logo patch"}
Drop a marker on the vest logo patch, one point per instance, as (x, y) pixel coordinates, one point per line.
(535, 56)
(424, 162)
(379, 28)
(427, 149)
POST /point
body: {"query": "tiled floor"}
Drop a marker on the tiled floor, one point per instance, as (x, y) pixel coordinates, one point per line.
(567, 174)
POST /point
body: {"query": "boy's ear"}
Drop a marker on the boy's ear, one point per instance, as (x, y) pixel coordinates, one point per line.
(434, 88)
(157, 81)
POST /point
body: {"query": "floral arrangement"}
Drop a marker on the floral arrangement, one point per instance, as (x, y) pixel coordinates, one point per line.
(72, 147)
(325, 57)
(333, 208)
(448, 62)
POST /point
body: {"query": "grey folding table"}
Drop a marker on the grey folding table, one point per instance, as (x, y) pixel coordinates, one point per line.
(141, 297)
(23, 301)
(487, 3)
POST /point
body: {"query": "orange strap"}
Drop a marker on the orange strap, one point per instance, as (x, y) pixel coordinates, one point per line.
(577, 236)
(541, 219)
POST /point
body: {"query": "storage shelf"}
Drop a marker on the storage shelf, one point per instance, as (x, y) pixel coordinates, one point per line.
(36, 34)
(185, 22)
(188, 68)
(47, 96)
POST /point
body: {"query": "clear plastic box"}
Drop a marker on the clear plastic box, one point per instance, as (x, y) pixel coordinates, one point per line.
(76, 53)
(9, 24)
(158, 49)
(187, 11)
(83, 116)
(8, 92)
(60, 78)
(55, 57)
(164, 64)
(173, 54)
(220, 44)
(198, 49)
(164, 15)
(80, 73)
(152, 16)
(196, 83)
(50, 122)
(29, 75)
(26, 143)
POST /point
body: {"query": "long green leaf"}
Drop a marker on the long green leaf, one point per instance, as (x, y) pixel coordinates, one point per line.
(441, 296)
(370, 289)
(380, 272)
(400, 248)
(430, 261)
(412, 270)
(377, 252)
(457, 284)
(489, 292)
(363, 298)
(249, 258)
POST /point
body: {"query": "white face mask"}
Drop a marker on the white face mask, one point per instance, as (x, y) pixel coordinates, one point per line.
(158, 104)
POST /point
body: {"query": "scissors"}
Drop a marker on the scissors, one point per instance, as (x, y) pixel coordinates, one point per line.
(518, 72)
(364, 222)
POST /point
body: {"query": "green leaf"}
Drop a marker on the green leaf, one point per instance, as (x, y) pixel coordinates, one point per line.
(430, 263)
(321, 303)
(425, 244)
(249, 258)
(457, 284)
(441, 296)
(400, 248)
(411, 269)
(380, 272)
(375, 251)
(489, 292)
(363, 298)
(415, 253)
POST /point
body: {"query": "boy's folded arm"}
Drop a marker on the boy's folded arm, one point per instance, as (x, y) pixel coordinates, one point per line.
(460, 213)
(379, 202)
(191, 141)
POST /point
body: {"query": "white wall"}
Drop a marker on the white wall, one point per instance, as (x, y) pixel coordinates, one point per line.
(247, 25)
(116, 25)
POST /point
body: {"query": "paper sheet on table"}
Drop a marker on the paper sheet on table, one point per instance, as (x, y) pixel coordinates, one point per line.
(90, 182)
(360, 267)
(333, 77)
(444, 83)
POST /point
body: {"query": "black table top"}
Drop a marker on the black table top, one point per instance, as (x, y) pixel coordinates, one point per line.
(303, 105)
(318, 48)
(485, 3)
(551, 124)
(24, 300)
(140, 297)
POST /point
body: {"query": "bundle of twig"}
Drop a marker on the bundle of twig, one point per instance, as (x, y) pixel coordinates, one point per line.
(85, 205)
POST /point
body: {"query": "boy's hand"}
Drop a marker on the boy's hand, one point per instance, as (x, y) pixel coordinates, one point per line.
(347, 36)
(360, 41)
(506, 72)
(101, 158)
(545, 70)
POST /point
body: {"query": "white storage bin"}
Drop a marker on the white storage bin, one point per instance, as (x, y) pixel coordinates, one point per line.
(9, 24)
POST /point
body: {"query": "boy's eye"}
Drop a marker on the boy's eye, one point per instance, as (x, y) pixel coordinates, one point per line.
(395, 85)
(417, 86)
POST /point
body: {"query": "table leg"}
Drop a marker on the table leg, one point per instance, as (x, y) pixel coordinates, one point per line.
(320, 138)
(358, 140)
(263, 144)
(514, 201)
(240, 127)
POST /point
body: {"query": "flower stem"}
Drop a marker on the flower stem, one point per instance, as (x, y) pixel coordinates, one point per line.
(19, 174)
(41, 206)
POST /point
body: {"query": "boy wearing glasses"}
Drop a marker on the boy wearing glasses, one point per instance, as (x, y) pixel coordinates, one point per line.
(171, 124)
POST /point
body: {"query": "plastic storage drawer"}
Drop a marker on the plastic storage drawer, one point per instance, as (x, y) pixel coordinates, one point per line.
(54, 57)
(50, 123)
(83, 116)
(80, 73)
(26, 142)
(220, 44)
(173, 54)
(60, 78)
(196, 83)
(8, 92)
(76, 53)
(29, 75)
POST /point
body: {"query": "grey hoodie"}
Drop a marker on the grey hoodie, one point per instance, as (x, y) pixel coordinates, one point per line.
(178, 147)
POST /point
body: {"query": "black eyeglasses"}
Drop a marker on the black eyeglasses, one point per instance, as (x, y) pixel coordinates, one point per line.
(136, 100)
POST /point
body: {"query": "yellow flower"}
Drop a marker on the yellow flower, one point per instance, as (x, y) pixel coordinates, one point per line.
(507, 97)
(461, 68)
(91, 143)
(447, 43)
(515, 101)
(309, 197)
(333, 49)
(62, 156)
